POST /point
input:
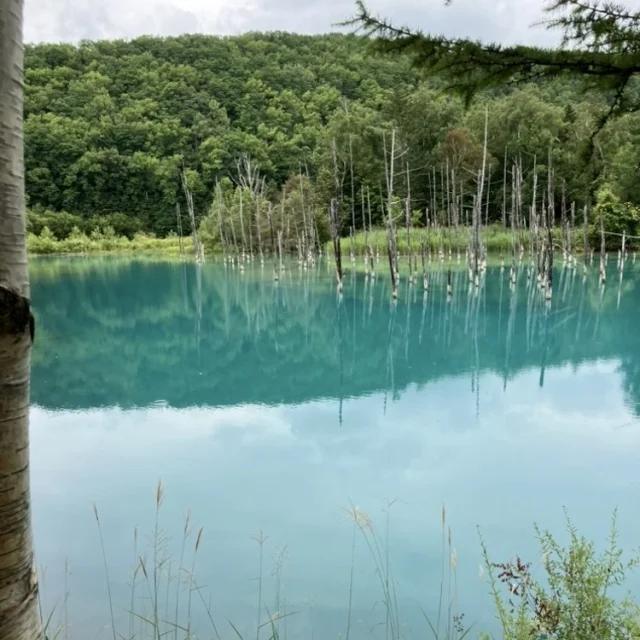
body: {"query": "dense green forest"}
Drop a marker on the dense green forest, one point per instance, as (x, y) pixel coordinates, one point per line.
(110, 126)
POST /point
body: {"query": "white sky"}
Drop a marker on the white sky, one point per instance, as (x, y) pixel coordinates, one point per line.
(504, 21)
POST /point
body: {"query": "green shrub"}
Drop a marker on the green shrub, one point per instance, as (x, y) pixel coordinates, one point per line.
(122, 224)
(617, 217)
(60, 223)
(580, 597)
(44, 243)
(101, 240)
(77, 242)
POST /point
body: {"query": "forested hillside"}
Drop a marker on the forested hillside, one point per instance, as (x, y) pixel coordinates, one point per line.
(110, 126)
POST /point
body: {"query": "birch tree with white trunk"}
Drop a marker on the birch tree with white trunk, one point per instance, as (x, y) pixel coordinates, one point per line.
(19, 613)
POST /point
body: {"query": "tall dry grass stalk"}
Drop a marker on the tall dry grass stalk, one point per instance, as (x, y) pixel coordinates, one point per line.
(193, 570)
(379, 548)
(106, 572)
(260, 539)
(157, 544)
(186, 532)
(134, 576)
(378, 553)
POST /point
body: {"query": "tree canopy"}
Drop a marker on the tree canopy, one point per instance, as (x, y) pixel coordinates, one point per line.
(110, 126)
(600, 44)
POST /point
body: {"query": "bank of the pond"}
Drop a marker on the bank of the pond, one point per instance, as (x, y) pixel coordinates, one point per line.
(495, 238)
(99, 243)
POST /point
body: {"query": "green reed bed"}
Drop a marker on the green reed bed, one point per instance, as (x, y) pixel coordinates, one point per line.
(495, 238)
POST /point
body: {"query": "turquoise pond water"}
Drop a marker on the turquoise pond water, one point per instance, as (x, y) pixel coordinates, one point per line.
(273, 407)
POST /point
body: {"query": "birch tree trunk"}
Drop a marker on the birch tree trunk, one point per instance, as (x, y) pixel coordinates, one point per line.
(19, 615)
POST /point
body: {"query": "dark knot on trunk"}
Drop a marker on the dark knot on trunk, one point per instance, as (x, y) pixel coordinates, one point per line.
(15, 314)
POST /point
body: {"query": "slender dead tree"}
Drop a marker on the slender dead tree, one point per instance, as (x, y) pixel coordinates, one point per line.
(425, 280)
(373, 271)
(335, 236)
(334, 212)
(514, 215)
(549, 265)
(248, 174)
(603, 250)
(570, 228)
(220, 226)
(19, 615)
(504, 191)
(364, 230)
(179, 225)
(280, 252)
(353, 198)
(486, 217)
(533, 219)
(197, 247)
(563, 223)
(447, 187)
(584, 238)
(259, 229)
(244, 237)
(391, 243)
(478, 204)
(408, 223)
(520, 218)
(271, 229)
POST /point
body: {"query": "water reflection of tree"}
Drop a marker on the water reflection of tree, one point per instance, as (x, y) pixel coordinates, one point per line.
(128, 333)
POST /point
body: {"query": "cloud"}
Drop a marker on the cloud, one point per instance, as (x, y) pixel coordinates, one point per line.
(74, 20)
(513, 459)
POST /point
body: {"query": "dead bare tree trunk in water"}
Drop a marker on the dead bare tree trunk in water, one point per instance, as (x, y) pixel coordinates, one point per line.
(549, 265)
(366, 236)
(425, 281)
(570, 235)
(513, 208)
(564, 224)
(603, 249)
(244, 238)
(408, 222)
(486, 217)
(391, 244)
(334, 213)
(306, 237)
(585, 240)
(259, 231)
(197, 247)
(19, 615)
(504, 192)
(353, 200)
(477, 212)
(533, 218)
(220, 226)
(271, 229)
(179, 225)
(335, 236)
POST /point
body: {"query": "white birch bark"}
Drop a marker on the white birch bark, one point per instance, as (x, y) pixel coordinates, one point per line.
(19, 615)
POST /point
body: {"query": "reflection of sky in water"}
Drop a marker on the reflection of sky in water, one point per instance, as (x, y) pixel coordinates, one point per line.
(289, 470)
(227, 387)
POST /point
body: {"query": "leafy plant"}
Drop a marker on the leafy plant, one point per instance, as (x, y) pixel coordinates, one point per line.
(578, 599)
(617, 217)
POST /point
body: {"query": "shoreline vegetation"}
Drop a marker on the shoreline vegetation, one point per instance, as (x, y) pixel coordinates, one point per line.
(573, 592)
(496, 239)
(99, 242)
